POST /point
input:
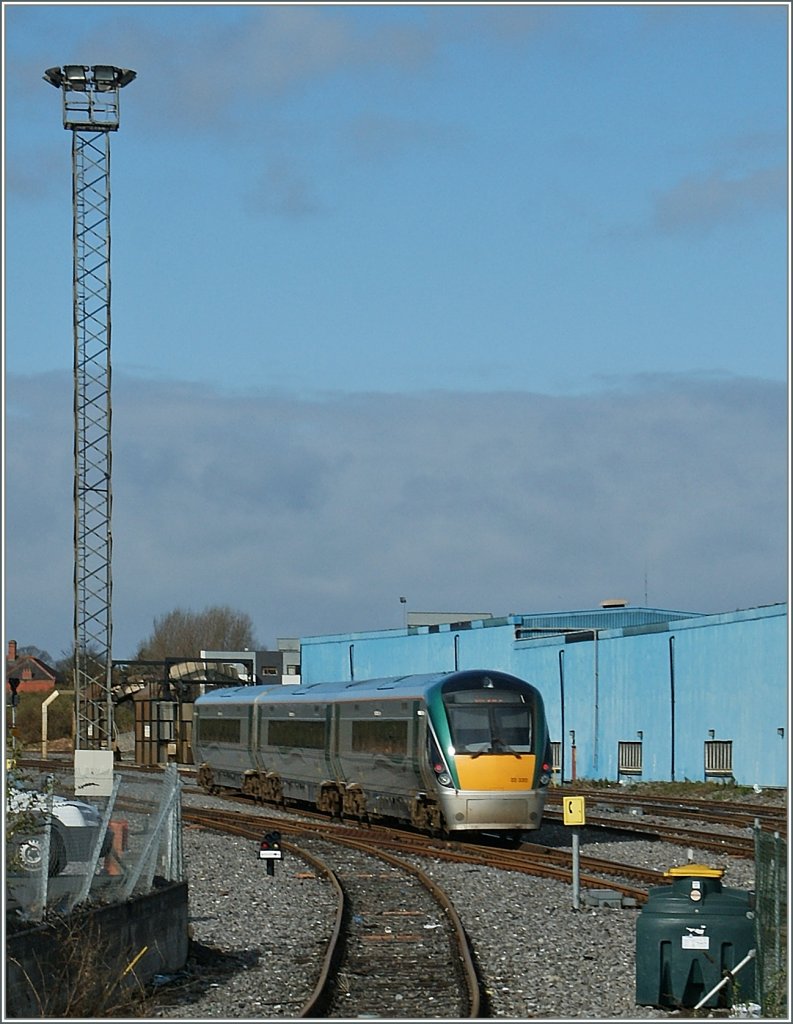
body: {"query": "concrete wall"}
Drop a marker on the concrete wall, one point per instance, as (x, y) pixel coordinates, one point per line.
(79, 968)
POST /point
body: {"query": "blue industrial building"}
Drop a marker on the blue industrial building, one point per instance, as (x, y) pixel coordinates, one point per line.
(630, 693)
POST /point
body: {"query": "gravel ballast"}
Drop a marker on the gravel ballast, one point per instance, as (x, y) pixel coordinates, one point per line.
(258, 939)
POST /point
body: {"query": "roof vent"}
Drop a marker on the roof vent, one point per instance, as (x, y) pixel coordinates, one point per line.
(614, 602)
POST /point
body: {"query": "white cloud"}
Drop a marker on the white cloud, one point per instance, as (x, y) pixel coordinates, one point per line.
(703, 202)
(315, 516)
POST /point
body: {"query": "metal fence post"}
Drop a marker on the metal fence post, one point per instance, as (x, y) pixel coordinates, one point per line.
(771, 909)
(85, 888)
(46, 842)
(149, 855)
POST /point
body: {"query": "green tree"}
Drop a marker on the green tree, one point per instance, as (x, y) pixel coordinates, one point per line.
(184, 634)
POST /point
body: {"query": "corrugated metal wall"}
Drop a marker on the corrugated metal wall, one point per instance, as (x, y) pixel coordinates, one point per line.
(692, 690)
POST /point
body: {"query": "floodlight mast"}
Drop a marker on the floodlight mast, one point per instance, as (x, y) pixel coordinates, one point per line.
(91, 112)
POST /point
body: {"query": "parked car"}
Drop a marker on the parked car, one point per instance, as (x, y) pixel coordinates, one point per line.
(73, 834)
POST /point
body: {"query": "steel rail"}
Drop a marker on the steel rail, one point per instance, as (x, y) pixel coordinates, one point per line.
(736, 846)
(526, 860)
(740, 813)
(223, 821)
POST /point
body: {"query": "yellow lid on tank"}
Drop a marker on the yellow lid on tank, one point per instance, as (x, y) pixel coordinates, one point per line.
(694, 871)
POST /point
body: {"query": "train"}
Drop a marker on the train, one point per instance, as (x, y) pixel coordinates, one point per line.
(447, 753)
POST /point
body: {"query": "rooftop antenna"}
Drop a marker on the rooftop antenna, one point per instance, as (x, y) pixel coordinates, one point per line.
(91, 112)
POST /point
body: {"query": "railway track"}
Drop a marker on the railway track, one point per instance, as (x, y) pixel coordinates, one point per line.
(732, 845)
(530, 859)
(396, 937)
(618, 814)
(529, 988)
(736, 813)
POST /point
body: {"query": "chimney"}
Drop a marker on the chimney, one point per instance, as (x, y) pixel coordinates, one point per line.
(12, 650)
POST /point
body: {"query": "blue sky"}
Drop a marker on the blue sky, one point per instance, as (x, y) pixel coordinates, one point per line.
(405, 228)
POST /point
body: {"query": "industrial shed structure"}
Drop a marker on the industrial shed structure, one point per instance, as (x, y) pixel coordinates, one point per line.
(631, 693)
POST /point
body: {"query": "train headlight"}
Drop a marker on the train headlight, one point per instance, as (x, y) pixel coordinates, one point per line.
(444, 778)
(545, 778)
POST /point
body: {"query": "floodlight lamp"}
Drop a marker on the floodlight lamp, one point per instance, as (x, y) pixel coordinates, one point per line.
(75, 76)
(105, 77)
(125, 76)
(54, 76)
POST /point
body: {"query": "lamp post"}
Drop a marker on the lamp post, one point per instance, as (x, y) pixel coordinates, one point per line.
(91, 111)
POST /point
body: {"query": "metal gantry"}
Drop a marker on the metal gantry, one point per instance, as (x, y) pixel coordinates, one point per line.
(91, 112)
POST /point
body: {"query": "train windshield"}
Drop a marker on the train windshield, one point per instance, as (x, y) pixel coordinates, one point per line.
(499, 724)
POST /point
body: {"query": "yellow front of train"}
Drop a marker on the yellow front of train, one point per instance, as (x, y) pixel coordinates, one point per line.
(489, 752)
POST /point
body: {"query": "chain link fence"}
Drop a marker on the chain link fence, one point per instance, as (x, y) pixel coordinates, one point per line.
(62, 852)
(771, 923)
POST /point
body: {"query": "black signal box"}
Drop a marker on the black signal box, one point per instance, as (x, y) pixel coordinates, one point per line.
(270, 850)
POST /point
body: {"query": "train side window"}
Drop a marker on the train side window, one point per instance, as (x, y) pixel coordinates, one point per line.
(220, 730)
(292, 732)
(380, 736)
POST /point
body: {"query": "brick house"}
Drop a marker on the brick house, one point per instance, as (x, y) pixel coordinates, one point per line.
(33, 675)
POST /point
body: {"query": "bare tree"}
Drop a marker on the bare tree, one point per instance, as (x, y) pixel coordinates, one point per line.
(184, 633)
(36, 652)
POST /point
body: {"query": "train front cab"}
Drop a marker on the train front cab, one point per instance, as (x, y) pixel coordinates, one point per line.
(494, 754)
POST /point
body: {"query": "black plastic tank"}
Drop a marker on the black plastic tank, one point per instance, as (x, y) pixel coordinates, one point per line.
(689, 936)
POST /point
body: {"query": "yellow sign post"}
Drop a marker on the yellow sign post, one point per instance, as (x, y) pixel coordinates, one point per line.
(574, 809)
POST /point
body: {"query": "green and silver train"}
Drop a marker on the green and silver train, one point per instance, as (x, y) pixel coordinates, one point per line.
(450, 752)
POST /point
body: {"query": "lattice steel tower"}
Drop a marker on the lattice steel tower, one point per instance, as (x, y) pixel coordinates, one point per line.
(91, 112)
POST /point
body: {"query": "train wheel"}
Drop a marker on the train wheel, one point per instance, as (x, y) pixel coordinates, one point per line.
(250, 786)
(426, 815)
(330, 800)
(274, 788)
(205, 778)
(354, 802)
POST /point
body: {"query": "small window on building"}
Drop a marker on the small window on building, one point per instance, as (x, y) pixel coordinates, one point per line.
(629, 757)
(718, 759)
(556, 755)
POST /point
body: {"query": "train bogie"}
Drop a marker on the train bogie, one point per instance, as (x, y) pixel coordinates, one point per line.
(463, 751)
